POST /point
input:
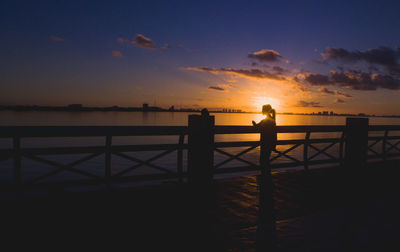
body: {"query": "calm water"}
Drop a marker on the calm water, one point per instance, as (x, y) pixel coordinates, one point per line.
(32, 169)
(162, 118)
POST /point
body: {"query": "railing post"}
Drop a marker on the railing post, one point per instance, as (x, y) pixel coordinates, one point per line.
(201, 149)
(354, 184)
(108, 158)
(305, 154)
(17, 163)
(180, 158)
(356, 148)
(341, 147)
(266, 231)
(384, 156)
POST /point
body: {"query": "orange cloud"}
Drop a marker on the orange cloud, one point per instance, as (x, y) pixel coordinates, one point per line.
(252, 73)
(116, 54)
(265, 55)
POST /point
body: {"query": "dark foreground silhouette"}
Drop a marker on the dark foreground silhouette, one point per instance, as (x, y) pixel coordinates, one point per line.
(348, 208)
(312, 214)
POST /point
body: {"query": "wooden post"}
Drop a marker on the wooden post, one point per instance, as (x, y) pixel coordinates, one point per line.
(180, 158)
(201, 150)
(384, 154)
(266, 231)
(200, 176)
(356, 148)
(17, 164)
(354, 184)
(305, 153)
(108, 158)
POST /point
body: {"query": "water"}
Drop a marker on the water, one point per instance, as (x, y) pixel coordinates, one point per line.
(32, 169)
(37, 118)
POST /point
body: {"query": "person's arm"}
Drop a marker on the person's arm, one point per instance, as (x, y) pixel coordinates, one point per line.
(273, 114)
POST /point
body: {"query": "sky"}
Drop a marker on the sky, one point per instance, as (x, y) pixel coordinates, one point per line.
(298, 56)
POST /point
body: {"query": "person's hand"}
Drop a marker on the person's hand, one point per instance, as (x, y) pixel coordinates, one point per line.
(254, 123)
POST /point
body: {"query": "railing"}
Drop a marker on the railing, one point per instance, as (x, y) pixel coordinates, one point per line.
(108, 149)
(311, 152)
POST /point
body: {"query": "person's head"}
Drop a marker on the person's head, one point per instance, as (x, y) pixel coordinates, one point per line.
(266, 109)
(204, 112)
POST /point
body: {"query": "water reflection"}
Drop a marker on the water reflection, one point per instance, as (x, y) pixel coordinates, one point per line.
(163, 118)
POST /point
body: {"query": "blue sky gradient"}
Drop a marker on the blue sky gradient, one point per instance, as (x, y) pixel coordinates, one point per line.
(61, 52)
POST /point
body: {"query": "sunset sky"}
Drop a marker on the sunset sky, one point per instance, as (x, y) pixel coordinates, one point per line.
(299, 56)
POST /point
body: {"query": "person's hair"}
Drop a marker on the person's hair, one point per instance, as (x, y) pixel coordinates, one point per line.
(266, 109)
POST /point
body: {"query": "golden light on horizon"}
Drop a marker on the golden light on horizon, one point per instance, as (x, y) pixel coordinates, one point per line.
(259, 101)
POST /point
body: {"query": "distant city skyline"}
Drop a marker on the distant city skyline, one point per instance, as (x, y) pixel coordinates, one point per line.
(298, 56)
(148, 108)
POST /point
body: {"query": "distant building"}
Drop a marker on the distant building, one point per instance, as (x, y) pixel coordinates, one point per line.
(145, 106)
(172, 108)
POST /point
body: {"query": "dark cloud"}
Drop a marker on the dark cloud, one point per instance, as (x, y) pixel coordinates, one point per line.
(326, 91)
(216, 88)
(252, 73)
(333, 92)
(278, 69)
(265, 55)
(318, 79)
(308, 104)
(142, 41)
(339, 100)
(356, 80)
(383, 56)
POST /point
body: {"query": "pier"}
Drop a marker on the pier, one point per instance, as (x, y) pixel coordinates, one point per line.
(357, 185)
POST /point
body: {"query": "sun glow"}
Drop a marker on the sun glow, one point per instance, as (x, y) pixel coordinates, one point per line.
(262, 100)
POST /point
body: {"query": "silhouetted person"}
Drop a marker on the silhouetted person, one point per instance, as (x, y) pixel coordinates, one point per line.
(268, 126)
(204, 112)
(266, 232)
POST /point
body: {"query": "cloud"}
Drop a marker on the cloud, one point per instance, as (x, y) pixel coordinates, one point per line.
(221, 87)
(252, 73)
(166, 46)
(383, 56)
(304, 104)
(333, 92)
(265, 55)
(339, 100)
(278, 69)
(142, 41)
(216, 88)
(326, 91)
(343, 94)
(56, 38)
(356, 80)
(318, 79)
(116, 54)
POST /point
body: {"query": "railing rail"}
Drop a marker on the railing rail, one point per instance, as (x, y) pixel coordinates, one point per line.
(284, 150)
